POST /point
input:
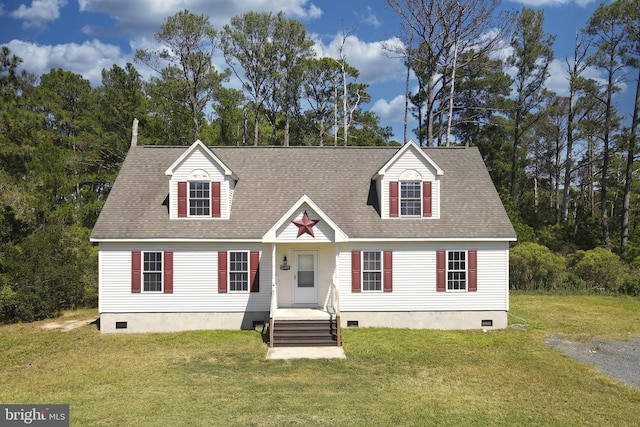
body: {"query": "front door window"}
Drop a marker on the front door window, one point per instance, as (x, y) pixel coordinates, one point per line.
(306, 271)
(305, 278)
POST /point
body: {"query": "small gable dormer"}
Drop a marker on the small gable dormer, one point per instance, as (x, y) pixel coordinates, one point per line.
(200, 185)
(408, 185)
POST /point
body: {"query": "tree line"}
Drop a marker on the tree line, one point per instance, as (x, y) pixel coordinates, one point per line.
(565, 166)
(287, 94)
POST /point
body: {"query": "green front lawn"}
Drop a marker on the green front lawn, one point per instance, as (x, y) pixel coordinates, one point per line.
(390, 377)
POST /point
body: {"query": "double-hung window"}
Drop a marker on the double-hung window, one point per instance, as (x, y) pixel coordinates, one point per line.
(410, 198)
(456, 270)
(371, 271)
(199, 198)
(152, 271)
(239, 271)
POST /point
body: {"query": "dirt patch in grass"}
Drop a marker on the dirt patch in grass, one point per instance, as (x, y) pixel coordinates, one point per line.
(67, 325)
(619, 359)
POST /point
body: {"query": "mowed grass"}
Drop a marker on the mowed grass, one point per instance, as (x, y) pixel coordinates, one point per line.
(390, 377)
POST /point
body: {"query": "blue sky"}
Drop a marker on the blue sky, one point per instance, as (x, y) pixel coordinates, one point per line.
(85, 36)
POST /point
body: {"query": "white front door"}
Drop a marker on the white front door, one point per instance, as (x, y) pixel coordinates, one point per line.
(305, 278)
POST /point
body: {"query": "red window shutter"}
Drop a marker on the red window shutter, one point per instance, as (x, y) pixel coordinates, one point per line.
(182, 199)
(168, 272)
(215, 199)
(426, 198)
(441, 271)
(254, 271)
(393, 198)
(222, 272)
(355, 272)
(472, 270)
(387, 265)
(136, 273)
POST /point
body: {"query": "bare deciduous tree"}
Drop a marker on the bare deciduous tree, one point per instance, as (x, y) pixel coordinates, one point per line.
(434, 32)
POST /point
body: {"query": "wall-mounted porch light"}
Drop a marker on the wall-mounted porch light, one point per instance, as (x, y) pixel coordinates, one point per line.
(285, 265)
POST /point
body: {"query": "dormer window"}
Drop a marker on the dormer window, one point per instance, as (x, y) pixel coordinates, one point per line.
(411, 198)
(199, 198)
(201, 186)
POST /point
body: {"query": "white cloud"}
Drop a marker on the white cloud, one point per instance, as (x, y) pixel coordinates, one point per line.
(600, 77)
(87, 59)
(558, 80)
(390, 111)
(39, 13)
(378, 67)
(314, 12)
(144, 17)
(139, 20)
(541, 3)
(375, 63)
(553, 3)
(370, 18)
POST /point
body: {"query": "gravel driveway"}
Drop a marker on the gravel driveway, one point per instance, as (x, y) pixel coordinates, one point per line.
(619, 359)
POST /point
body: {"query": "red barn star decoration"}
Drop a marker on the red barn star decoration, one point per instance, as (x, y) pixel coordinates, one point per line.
(305, 225)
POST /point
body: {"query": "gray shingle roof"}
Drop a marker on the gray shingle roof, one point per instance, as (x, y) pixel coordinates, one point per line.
(272, 179)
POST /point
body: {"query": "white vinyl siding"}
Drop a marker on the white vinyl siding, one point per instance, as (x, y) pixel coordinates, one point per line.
(195, 278)
(414, 279)
(195, 272)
